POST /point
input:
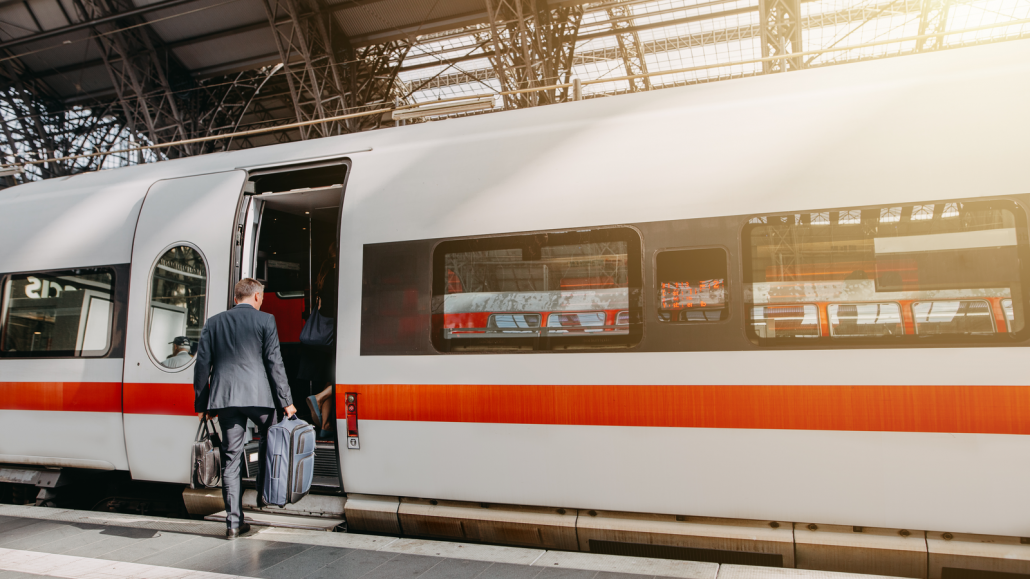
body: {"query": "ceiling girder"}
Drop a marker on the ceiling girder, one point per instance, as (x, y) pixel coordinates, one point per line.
(780, 22)
(532, 45)
(933, 19)
(327, 77)
(633, 55)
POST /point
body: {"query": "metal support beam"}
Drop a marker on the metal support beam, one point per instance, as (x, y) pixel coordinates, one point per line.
(781, 33)
(30, 130)
(934, 18)
(309, 63)
(533, 45)
(685, 42)
(326, 76)
(91, 22)
(633, 55)
(141, 78)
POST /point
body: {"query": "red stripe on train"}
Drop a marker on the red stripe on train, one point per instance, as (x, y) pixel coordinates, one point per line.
(167, 399)
(62, 396)
(959, 409)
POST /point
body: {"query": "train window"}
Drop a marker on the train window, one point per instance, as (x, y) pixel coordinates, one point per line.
(865, 320)
(691, 285)
(581, 322)
(953, 317)
(793, 321)
(548, 291)
(58, 314)
(513, 323)
(178, 300)
(953, 266)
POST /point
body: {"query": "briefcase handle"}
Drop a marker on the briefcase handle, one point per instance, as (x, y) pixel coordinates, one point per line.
(205, 431)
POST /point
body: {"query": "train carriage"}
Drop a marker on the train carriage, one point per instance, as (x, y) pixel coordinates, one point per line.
(791, 298)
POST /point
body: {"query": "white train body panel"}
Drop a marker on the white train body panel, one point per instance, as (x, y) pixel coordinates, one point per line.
(76, 438)
(946, 125)
(874, 479)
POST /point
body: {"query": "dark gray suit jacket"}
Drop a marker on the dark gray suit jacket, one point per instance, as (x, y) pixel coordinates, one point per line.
(239, 356)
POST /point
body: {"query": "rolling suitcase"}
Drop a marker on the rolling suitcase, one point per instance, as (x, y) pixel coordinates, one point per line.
(289, 461)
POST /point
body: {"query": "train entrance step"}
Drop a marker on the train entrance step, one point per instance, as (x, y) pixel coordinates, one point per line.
(264, 519)
(315, 512)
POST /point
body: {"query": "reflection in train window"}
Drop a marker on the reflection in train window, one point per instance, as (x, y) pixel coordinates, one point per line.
(177, 309)
(955, 264)
(865, 320)
(58, 314)
(549, 291)
(513, 323)
(581, 322)
(953, 317)
(794, 321)
(691, 285)
(1006, 306)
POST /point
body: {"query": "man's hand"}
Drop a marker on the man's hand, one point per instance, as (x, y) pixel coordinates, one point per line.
(290, 410)
(207, 416)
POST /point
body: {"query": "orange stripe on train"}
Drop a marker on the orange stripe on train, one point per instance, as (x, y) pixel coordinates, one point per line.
(166, 399)
(959, 409)
(62, 396)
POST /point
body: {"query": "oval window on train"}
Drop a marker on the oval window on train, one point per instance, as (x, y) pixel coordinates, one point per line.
(178, 300)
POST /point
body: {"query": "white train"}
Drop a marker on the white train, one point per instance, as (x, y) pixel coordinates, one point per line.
(791, 298)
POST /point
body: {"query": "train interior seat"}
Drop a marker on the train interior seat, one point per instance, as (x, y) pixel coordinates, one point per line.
(294, 247)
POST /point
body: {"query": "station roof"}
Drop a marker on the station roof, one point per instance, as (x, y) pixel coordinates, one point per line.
(57, 42)
(55, 48)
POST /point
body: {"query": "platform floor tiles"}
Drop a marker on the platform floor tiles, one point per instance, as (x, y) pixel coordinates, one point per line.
(39, 542)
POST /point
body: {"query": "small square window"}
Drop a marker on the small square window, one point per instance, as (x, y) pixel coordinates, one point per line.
(691, 285)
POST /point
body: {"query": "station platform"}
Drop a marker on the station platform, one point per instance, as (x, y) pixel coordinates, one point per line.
(48, 542)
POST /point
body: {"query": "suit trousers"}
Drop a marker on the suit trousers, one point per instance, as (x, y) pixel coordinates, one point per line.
(233, 422)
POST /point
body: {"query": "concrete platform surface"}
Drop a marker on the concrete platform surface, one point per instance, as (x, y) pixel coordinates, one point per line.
(41, 542)
(277, 520)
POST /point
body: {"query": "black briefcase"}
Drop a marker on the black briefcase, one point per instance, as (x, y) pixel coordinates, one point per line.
(206, 469)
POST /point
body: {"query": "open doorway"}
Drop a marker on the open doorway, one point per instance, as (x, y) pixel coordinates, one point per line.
(291, 245)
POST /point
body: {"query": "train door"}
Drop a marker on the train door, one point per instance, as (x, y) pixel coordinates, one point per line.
(291, 235)
(181, 270)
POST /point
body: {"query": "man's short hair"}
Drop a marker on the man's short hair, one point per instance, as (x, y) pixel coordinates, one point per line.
(247, 287)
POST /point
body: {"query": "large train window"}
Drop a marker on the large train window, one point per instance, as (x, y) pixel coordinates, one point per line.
(58, 314)
(691, 285)
(945, 273)
(177, 311)
(549, 291)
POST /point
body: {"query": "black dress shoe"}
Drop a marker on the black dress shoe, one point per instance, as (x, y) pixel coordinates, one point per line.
(234, 533)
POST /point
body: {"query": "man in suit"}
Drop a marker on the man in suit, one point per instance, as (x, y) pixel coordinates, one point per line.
(239, 358)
